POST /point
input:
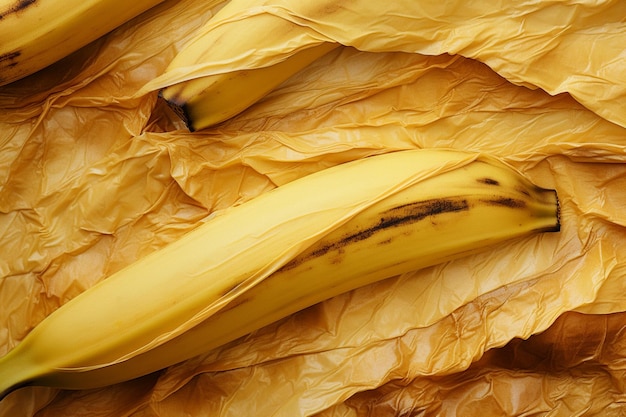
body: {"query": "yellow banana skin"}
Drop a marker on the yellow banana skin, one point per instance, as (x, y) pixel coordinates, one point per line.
(203, 85)
(207, 101)
(37, 33)
(302, 243)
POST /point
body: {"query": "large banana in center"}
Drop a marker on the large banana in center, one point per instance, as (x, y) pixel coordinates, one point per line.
(302, 243)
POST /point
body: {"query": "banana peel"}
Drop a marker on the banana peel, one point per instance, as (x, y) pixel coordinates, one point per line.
(560, 48)
(96, 173)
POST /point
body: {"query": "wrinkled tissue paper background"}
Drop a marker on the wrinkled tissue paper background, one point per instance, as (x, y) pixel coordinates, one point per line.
(96, 172)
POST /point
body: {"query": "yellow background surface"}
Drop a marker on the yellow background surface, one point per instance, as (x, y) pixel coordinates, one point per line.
(96, 172)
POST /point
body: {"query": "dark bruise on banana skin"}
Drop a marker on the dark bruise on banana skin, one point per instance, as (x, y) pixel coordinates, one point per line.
(491, 181)
(8, 59)
(394, 217)
(501, 201)
(17, 7)
(488, 181)
(505, 202)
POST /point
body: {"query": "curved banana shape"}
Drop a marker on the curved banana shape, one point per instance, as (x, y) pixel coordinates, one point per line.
(237, 30)
(285, 250)
(206, 101)
(36, 33)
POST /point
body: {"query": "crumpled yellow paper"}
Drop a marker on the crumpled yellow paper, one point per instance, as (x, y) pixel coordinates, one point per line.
(96, 172)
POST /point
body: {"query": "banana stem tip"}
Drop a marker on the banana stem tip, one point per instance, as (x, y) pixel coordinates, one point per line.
(181, 111)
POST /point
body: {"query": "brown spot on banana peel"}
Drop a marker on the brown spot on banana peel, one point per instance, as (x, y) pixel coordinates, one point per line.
(414, 212)
(515, 203)
(491, 181)
(488, 181)
(505, 201)
(17, 7)
(394, 217)
(8, 59)
(523, 191)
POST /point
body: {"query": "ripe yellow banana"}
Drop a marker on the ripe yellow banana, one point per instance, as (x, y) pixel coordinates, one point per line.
(209, 100)
(36, 33)
(285, 250)
(239, 29)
